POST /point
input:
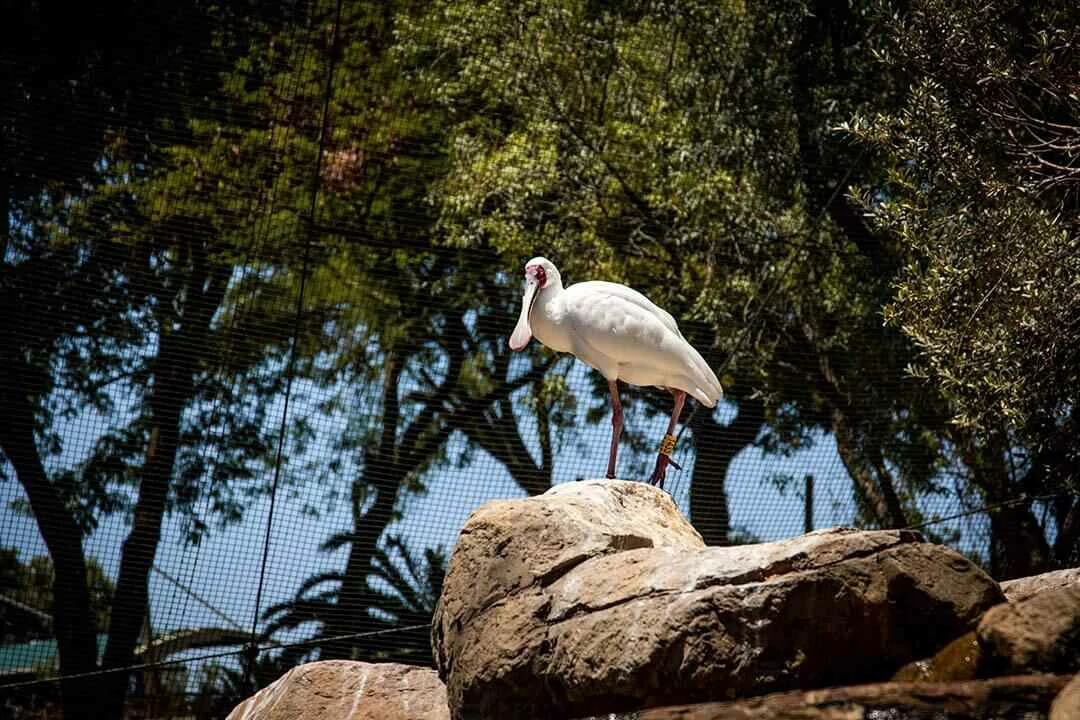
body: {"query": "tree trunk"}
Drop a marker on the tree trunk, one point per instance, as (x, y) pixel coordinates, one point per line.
(386, 469)
(381, 471)
(1067, 543)
(1018, 546)
(715, 447)
(173, 388)
(73, 622)
(351, 611)
(873, 484)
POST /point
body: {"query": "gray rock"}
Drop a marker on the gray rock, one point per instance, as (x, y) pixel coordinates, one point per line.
(1039, 634)
(346, 690)
(599, 597)
(1023, 588)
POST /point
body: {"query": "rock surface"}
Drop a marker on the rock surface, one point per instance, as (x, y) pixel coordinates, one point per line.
(1027, 697)
(346, 690)
(1066, 705)
(1039, 634)
(959, 660)
(598, 596)
(1023, 588)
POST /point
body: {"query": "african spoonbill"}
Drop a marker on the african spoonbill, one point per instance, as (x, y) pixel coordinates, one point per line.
(623, 335)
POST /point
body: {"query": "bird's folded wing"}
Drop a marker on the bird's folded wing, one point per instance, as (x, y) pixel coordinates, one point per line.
(635, 335)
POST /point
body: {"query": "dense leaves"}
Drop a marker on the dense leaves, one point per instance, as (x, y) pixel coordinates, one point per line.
(689, 151)
(27, 602)
(981, 188)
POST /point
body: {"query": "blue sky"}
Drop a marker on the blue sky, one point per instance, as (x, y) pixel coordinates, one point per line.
(224, 568)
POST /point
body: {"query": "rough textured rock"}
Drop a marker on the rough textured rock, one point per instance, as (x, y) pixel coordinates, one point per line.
(345, 690)
(964, 658)
(1066, 705)
(1027, 697)
(599, 597)
(1023, 588)
(959, 660)
(1039, 634)
(512, 544)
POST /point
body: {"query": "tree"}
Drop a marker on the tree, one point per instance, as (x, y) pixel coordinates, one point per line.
(150, 295)
(108, 298)
(979, 185)
(686, 151)
(66, 76)
(28, 596)
(416, 330)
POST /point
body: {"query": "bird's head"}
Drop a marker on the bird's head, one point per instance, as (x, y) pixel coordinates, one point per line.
(540, 273)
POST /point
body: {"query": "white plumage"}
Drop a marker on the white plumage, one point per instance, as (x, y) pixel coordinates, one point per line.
(619, 332)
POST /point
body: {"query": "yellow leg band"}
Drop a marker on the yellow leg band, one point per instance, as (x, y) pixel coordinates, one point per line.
(667, 445)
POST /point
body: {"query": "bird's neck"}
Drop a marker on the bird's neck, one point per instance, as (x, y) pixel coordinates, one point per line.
(547, 317)
(547, 301)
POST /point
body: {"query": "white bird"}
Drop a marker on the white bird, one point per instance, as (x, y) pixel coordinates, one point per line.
(622, 334)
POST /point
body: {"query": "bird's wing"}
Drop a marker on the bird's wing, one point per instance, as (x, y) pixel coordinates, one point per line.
(623, 325)
(630, 295)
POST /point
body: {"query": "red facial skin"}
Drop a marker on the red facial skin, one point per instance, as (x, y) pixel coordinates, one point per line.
(537, 271)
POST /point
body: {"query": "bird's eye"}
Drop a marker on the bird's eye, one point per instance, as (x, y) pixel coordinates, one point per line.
(536, 271)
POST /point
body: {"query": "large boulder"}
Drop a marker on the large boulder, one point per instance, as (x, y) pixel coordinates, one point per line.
(598, 596)
(347, 690)
(1038, 634)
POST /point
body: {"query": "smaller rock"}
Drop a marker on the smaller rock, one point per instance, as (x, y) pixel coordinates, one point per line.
(1066, 705)
(959, 660)
(1023, 588)
(347, 690)
(1039, 634)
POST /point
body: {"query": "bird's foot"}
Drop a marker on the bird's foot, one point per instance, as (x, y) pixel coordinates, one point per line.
(660, 471)
(657, 479)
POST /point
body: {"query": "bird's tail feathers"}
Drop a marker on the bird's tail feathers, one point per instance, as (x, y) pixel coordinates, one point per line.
(704, 395)
(706, 380)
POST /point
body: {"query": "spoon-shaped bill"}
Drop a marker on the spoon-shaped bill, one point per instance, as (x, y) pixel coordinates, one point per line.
(523, 332)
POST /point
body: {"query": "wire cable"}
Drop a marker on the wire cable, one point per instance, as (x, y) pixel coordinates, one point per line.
(207, 656)
(290, 370)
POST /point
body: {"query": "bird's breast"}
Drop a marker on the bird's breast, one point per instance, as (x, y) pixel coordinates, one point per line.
(549, 328)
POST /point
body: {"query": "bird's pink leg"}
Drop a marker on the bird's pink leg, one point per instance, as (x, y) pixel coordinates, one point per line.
(616, 426)
(662, 460)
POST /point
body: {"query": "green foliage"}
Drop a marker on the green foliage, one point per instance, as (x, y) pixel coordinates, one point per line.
(617, 141)
(688, 150)
(980, 185)
(31, 584)
(404, 590)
